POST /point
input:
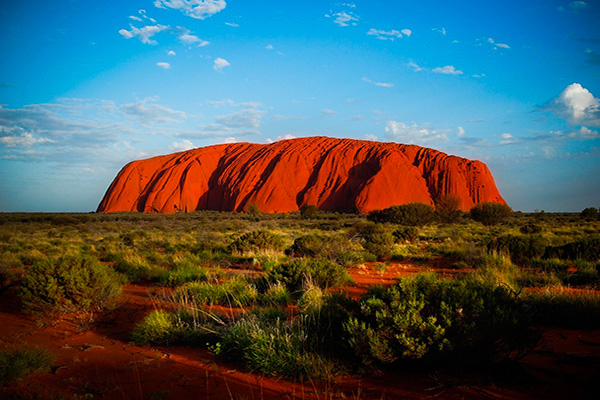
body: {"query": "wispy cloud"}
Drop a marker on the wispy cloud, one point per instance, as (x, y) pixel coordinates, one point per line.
(344, 18)
(247, 118)
(497, 45)
(389, 35)
(232, 24)
(413, 134)
(327, 112)
(143, 34)
(440, 30)
(185, 144)
(447, 70)
(164, 65)
(220, 63)
(380, 84)
(460, 131)
(574, 7)
(186, 37)
(577, 105)
(148, 112)
(199, 9)
(415, 67)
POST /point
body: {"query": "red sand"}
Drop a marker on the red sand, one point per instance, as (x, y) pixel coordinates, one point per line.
(99, 360)
(333, 174)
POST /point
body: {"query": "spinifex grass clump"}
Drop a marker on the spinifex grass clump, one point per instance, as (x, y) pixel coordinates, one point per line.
(69, 283)
(256, 241)
(16, 364)
(521, 249)
(428, 318)
(586, 249)
(565, 308)
(237, 292)
(293, 274)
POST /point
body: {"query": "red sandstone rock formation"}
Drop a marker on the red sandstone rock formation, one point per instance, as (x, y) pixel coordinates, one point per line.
(333, 174)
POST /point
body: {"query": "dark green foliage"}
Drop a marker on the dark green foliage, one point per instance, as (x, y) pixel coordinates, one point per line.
(412, 214)
(406, 234)
(333, 248)
(529, 229)
(257, 241)
(587, 249)
(16, 364)
(69, 283)
(309, 212)
(564, 308)
(376, 239)
(236, 292)
(521, 249)
(447, 208)
(437, 319)
(294, 274)
(590, 214)
(490, 213)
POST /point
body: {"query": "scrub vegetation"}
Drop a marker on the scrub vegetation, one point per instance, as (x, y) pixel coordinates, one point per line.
(270, 291)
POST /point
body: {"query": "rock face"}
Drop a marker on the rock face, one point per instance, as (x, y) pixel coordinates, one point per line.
(333, 174)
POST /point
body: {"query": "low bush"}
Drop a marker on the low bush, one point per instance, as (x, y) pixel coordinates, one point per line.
(564, 308)
(236, 292)
(586, 249)
(412, 214)
(529, 229)
(309, 212)
(521, 249)
(279, 348)
(490, 213)
(16, 364)
(590, 214)
(256, 241)
(428, 318)
(447, 209)
(334, 248)
(294, 274)
(69, 283)
(406, 234)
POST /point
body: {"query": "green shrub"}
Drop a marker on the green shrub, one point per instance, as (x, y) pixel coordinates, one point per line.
(590, 214)
(564, 308)
(158, 327)
(256, 241)
(406, 234)
(490, 213)
(550, 265)
(412, 214)
(429, 318)
(447, 208)
(276, 294)
(529, 229)
(309, 212)
(521, 249)
(236, 292)
(294, 274)
(69, 283)
(586, 249)
(16, 364)
(380, 244)
(278, 348)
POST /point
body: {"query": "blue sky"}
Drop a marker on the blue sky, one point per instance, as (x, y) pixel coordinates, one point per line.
(86, 86)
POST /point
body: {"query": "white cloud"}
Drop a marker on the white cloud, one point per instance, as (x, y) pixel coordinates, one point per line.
(406, 32)
(460, 132)
(186, 37)
(577, 6)
(182, 146)
(147, 112)
(326, 112)
(380, 84)
(440, 30)
(370, 137)
(279, 117)
(171, 53)
(413, 134)
(345, 18)
(199, 9)
(143, 34)
(412, 65)
(496, 45)
(286, 137)
(25, 139)
(164, 65)
(220, 63)
(247, 118)
(269, 47)
(577, 105)
(388, 35)
(133, 17)
(232, 24)
(447, 70)
(507, 138)
(230, 140)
